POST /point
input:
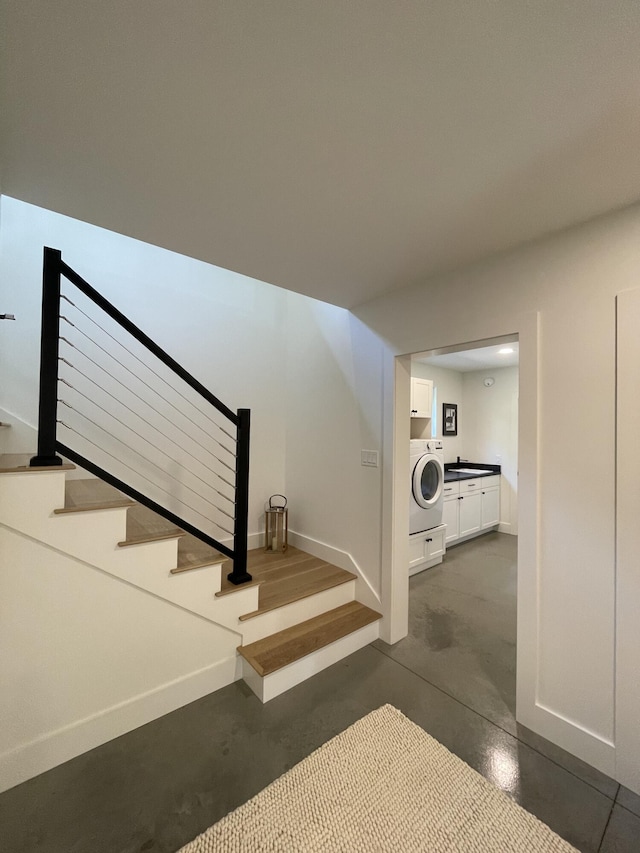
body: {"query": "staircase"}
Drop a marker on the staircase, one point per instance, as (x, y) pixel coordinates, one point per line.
(295, 617)
(167, 508)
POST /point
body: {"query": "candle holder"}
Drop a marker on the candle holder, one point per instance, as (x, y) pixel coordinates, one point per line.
(276, 525)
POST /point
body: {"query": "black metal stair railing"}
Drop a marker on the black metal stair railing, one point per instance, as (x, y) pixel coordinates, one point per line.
(110, 392)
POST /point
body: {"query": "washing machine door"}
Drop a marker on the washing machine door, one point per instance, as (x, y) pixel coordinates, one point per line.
(428, 477)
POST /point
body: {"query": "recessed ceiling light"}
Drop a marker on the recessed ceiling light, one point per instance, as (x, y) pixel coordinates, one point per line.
(505, 351)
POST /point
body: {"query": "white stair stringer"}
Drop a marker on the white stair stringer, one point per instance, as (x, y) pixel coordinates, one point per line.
(27, 503)
(269, 686)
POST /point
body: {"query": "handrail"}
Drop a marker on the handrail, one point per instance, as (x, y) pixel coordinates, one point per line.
(54, 268)
(145, 340)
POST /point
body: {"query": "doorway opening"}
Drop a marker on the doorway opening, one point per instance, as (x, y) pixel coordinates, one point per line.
(462, 595)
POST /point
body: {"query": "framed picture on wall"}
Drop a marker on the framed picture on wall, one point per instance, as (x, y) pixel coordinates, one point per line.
(449, 419)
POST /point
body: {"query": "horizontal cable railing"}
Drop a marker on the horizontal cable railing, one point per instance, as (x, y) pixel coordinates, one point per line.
(113, 401)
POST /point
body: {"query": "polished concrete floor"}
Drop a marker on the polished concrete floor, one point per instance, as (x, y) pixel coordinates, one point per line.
(155, 788)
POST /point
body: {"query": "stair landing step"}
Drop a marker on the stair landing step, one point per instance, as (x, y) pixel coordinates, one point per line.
(279, 650)
(290, 589)
(285, 578)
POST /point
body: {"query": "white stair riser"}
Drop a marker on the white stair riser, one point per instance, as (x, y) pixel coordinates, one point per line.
(24, 495)
(195, 590)
(230, 607)
(278, 682)
(296, 612)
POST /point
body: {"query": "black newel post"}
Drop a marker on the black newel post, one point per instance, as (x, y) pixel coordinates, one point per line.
(49, 343)
(239, 574)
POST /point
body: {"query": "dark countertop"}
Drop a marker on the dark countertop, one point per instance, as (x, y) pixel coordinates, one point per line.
(453, 476)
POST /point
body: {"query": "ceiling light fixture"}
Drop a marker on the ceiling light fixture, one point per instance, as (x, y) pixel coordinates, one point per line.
(505, 351)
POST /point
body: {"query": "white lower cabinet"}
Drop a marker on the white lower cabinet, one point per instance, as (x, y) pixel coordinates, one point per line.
(470, 513)
(471, 506)
(451, 514)
(490, 507)
(426, 549)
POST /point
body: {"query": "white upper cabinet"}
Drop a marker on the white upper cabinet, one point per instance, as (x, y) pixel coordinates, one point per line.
(421, 397)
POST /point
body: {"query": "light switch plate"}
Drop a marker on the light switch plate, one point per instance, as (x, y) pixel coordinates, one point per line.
(369, 458)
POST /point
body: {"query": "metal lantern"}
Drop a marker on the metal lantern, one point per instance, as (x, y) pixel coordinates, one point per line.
(276, 525)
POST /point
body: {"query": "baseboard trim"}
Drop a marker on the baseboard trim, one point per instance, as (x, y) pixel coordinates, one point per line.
(254, 540)
(365, 593)
(587, 745)
(505, 527)
(53, 748)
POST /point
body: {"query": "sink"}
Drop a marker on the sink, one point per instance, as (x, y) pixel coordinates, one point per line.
(471, 471)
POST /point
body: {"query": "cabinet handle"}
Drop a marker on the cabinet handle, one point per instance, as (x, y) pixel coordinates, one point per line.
(429, 540)
(460, 499)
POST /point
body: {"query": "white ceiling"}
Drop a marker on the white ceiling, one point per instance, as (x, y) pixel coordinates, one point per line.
(339, 148)
(484, 358)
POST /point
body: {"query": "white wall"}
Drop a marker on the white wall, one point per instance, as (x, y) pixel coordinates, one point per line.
(226, 329)
(449, 390)
(85, 657)
(334, 410)
(16, 436)
(566, 557)
(490, 424)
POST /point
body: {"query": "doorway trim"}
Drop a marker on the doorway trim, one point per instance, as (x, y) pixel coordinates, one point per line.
(396, 505)
(627, 689)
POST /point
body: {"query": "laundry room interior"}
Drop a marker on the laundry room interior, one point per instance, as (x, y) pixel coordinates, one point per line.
(478, 388)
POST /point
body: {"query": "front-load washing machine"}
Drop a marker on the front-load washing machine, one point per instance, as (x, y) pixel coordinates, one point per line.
(427, 479)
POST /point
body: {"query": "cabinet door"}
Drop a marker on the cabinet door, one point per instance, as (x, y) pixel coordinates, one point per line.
(421, 398)
(416, 551)
(450, 517)
(434, 545)
(469, 513)
(490, 515)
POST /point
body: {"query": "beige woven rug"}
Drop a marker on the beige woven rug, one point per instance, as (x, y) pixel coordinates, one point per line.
(383, 784)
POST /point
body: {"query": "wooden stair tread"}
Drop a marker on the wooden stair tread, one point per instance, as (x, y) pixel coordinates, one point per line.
(285, 578)
(290, 589)
(264, 562)
(91, 493)
(116, 504)
(143, 538)
(186, 563)
(231, 588)
(279, 650)
(271, 575)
